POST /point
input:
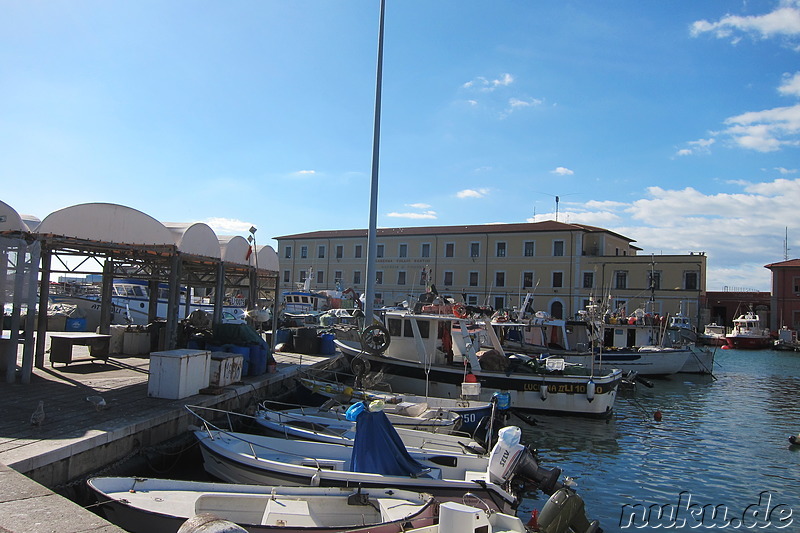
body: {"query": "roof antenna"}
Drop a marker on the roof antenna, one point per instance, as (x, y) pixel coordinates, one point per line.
(557, 199)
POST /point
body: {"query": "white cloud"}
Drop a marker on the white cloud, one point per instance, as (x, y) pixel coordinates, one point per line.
(228, 226)
(425, 215)
(562, 171)
(486, 85)
(782, 170)
(472, 193)
(782, 22)
(700, 146)
(767, 130)
(305, 173)
(419, 206)
(790, 85)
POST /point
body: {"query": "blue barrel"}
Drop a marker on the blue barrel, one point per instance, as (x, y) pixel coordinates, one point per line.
(244, 351)
(283, 336)
(258, 359)
(326, 345)
(75, 324)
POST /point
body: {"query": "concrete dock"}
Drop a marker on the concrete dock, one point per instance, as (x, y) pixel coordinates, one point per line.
(76, 439)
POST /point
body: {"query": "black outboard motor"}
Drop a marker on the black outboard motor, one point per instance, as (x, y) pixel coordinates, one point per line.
(564, 513)
(528, 468)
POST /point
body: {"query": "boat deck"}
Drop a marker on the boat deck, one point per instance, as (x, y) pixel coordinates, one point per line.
(76, 438)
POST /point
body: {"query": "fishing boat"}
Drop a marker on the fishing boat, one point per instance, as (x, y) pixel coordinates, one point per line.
(377, 458)
(130, 302)
(713, 335)
(433, 355)
(145, 505)
(748, 334)
(308, 423)
(473, 413)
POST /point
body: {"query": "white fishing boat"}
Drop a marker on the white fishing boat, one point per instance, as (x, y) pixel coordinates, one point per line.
(429, 354)
(377, 458)
(308, 423)
(748, 333)
(130, 301)
(713, 335)
(472, 412)
(143, 505)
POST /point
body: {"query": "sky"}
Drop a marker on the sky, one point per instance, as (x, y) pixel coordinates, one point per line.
(674, 124)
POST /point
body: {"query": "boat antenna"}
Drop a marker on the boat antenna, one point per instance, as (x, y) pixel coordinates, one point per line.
(372, 245)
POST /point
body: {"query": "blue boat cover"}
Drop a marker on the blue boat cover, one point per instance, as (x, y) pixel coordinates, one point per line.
(378, 448)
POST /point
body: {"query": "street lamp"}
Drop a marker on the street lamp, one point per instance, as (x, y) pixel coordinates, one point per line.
(252, 240)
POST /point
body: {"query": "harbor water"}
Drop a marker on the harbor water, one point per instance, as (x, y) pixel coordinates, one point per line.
(719, 458)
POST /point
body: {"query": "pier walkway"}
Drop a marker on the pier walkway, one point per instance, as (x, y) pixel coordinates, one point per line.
(76, 439)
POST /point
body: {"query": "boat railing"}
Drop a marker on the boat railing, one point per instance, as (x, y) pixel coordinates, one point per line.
(210, 428)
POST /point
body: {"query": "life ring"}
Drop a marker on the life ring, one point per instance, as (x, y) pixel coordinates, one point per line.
(375, 339)
(460, 311)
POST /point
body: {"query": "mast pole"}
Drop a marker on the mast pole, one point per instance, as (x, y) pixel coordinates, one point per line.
(372, 245)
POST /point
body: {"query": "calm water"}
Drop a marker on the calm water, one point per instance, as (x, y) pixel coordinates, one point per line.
(722, 441)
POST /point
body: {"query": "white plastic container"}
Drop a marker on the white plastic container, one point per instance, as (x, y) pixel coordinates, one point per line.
(177, 374)
(226, 368)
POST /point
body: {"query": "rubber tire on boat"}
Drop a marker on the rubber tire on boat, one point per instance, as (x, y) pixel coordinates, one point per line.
(360, 366)
(375, 339)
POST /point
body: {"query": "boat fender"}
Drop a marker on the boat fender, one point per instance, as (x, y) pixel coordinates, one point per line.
(209, 523)
(354, 410)
(590, 390)
(795, 439)
(543, 391)
(503, 400)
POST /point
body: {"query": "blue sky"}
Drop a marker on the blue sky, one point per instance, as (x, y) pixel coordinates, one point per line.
(675, 124)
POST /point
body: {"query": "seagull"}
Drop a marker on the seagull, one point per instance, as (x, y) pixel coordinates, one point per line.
(98, 401)
(38, 415)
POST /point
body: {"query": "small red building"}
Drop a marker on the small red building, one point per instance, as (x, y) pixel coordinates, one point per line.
(785, 294)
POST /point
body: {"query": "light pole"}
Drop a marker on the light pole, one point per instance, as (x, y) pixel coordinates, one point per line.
(252, 239)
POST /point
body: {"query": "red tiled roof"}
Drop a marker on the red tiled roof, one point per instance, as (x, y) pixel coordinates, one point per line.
(527, 227)
(791, 263)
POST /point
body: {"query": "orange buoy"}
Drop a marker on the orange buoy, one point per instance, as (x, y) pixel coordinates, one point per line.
(470, 378)
(657, 416)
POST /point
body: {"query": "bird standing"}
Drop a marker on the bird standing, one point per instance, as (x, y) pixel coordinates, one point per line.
(38, 415)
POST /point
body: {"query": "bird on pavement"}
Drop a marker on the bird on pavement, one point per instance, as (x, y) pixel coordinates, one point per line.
(38, 415)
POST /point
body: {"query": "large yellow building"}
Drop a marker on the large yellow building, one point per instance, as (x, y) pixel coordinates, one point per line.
(564, 266)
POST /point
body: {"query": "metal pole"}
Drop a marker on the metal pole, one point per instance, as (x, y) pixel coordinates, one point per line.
(372, 245)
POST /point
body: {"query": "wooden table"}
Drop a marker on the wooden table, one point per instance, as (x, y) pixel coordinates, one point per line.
(61, 345)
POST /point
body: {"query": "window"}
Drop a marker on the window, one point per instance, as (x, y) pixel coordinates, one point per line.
(795, 284)
(339, 251)
(320, 277)
(402, 250)
(499, 302)
(619, 307)
(654, 280)
(303, 276)
(423, 277)
(357, 277)
(588, 280)
(379, 277)
(621, 279)
(558, 279)
(287, 276)
(528, 249)
(425, 251)
(287, 252)
(499, 279)
(401, 277)
(304, 252)
(379, 250)
(690, 281)
(558, 248)
(473, 279)
(357, 251)
(321, 251)
(501, 249)
(474, 249)
(449, 249)
(337, 276)
(472, 299)
(527, 280)
(448, 278)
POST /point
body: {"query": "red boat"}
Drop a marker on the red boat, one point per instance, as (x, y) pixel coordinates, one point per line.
(747, 333)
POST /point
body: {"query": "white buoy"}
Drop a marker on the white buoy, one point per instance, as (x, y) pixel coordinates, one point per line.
(590, 390)
(543, 391)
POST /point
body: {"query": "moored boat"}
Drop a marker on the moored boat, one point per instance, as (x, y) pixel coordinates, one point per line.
(748, 334)
(144, 505)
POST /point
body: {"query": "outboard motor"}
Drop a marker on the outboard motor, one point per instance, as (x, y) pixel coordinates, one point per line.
(510, 459)
(564, 513)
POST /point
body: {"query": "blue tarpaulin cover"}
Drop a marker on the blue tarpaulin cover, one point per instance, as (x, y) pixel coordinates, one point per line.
(378, 448)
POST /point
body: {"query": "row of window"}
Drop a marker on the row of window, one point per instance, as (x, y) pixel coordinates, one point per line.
(528, 250)
(620, 279)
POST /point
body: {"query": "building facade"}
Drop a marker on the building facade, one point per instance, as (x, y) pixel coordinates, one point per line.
(785, 294)
(563, 266)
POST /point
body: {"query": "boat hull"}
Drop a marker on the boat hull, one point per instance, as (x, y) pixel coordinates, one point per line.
(141, 505)
(551, 393)
(741, 342)
(643, 362)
